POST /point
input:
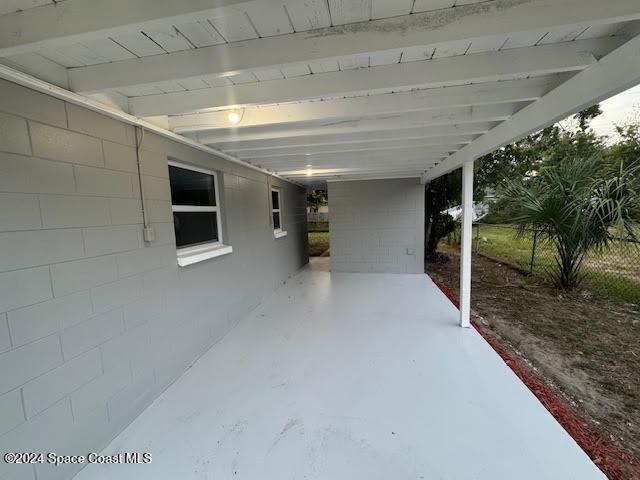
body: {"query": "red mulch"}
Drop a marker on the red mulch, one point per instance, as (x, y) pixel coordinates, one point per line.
(613, 462)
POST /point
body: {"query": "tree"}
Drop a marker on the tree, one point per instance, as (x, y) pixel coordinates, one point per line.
(315, 198)
(440, 194)
(627, 150)
(577, 207)
(521, 160)
(586, 116)
(550, 146)
(560, 143)
(518, 159)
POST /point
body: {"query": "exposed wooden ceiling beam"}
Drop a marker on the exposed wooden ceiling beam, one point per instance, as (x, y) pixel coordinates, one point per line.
(358, 147)
(476, 68)
(466, 95)
(304, 172)
(354, 173)
(452, 116)
(422, 160)
(616, 72)
(437, 132)
(289, 171)
(351, 177)
(473, 21)
(74, 21)
(384, 155)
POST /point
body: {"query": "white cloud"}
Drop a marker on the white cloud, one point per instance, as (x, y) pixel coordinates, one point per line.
(618, 110)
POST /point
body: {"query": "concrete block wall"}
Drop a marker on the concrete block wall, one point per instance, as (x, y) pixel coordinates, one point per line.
(377, 226)
(94, 322)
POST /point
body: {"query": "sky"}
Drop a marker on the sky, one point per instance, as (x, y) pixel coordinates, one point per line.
(618, 110)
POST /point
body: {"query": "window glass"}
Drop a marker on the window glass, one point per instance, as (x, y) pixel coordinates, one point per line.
(275, 209)
(194, 228)
(196, 217)
(189, 187)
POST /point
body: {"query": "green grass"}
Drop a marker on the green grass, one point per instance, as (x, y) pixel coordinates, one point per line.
(614, 273)
(319, 236)
(318, 243)
(502, 243)
(318, 226)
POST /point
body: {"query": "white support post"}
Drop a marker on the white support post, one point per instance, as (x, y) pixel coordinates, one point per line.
(466, 241)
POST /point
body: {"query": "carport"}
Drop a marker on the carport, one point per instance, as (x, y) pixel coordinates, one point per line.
(109, 105)
(345, 376)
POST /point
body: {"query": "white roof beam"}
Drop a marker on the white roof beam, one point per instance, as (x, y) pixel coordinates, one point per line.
(361, 176)
(386, 156)
(433, 133)
(615, 73)
(394, 122)
(473, 21)
(74, 21)
(324, 172)
(357, 177)
(256, 153)
(300, 173)
(357, 147)
(345, 175)
(465, 95)
(418, 158)
(383, 156)
(407, 156)
(476, 68)
(289, 172)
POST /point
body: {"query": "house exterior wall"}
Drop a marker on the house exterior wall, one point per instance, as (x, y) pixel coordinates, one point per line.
(94, 322)
(377, 226)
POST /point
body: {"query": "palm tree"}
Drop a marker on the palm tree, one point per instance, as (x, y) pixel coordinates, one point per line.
(578, 207)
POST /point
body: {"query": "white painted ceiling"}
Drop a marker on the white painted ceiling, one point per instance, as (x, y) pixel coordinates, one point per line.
(323, 89)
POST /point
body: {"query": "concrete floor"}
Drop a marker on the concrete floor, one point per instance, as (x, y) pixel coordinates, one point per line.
(349, 376)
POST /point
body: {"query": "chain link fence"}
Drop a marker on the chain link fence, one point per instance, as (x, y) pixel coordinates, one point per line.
(613, 273)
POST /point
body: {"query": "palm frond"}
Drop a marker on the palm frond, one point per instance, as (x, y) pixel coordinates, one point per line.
(577, 207)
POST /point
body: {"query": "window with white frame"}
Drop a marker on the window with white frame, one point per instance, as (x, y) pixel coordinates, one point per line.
(276, 213)
(196, 213)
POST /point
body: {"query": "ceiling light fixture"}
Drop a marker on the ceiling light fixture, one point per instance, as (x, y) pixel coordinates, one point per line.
(233, 117)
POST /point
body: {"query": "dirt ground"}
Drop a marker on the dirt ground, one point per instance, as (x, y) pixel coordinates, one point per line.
(585, 349)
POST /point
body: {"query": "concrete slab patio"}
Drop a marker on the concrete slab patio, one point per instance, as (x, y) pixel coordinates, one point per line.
(349, 376)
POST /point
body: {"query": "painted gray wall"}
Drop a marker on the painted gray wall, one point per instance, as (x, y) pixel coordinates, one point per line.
(377, 226)
(94, 322)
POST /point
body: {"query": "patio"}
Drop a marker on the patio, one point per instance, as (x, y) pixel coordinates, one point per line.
(344, 376)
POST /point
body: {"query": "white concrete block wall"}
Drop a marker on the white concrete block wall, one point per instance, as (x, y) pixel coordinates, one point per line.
(377, 226)
(94, 322)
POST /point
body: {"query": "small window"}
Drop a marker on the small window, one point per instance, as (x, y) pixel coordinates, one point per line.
(196, 213)
(276, 213)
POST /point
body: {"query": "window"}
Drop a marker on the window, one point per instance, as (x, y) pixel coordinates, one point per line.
(196, 213)
(276, 213)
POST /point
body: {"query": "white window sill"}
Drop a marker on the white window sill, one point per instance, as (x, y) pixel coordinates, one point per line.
(279, 233)
(191, 255)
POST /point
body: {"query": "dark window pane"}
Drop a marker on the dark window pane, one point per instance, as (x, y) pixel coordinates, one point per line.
(191, 188)
(276, 220)
(275, 200)
(193, 228)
